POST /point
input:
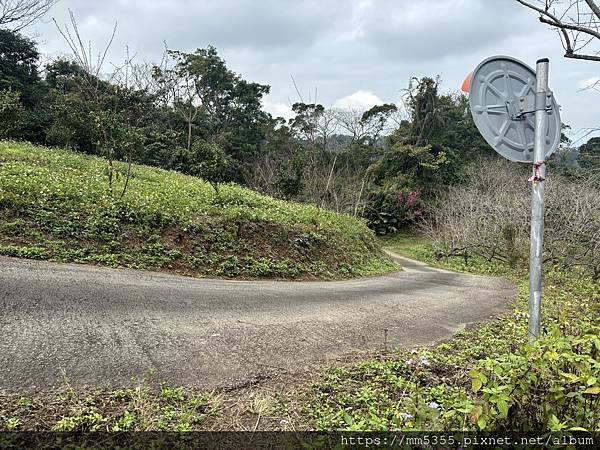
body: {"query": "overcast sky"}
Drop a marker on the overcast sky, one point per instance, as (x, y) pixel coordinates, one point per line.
(351, 52)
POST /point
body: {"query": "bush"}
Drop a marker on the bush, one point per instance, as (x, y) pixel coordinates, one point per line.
(552, 384)
(490, 217)
(391, 210)
(209, 161)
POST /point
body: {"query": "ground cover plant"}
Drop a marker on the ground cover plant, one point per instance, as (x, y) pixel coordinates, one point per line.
(145, 406)
(55, 204)
(485, 378)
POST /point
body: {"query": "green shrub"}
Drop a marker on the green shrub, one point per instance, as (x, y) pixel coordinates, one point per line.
(391, 209)
(24, 252)
(552, 384)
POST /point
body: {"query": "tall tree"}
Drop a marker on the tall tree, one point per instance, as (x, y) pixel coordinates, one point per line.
(177, 90)
(223, 108)
(442, 124)
(429, 151)
(19, 66)
(305, 123)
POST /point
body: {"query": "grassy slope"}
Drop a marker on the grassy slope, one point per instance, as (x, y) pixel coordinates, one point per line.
(54, 204)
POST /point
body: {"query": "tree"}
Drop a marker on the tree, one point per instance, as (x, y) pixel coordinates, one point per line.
(351, 124)
(428, 152)
(397, 182)
(108, 104)
(177, 89)
(589, 154)
(440, 139)
(20, 82)
(577, 23)
(19, 66)
(305, 123)
(365, 127)
(488, 216)
(224, 108)
(374, 121)
(210, 162)
(17, 14)
(11, 114)
(67, 107)
(279, 168)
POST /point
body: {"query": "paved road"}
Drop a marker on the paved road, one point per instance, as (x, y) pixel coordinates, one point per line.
(102, 327)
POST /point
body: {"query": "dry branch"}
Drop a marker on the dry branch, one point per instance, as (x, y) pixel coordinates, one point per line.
(577, 21)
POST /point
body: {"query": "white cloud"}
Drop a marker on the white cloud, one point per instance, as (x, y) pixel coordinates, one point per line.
(360, 100)
(278, 109)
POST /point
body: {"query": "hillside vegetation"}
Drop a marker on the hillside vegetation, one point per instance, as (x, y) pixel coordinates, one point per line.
(55, 204)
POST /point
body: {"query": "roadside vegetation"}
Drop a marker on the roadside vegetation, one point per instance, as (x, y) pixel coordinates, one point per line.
(54, 204)
(146, 406)
(491, 377)
(485, 378)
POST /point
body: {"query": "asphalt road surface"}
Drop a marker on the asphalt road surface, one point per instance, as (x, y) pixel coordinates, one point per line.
(97, 327)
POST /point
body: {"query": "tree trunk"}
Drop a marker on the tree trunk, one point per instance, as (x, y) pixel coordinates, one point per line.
(329, 180)
(189, 137)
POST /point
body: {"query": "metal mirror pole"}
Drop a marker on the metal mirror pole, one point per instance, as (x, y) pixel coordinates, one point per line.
(537, 203)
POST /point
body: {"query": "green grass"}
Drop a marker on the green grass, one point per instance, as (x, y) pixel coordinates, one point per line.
(484, 378)
(416, 246)
(403, 242)
(144, 407)
(55, 204)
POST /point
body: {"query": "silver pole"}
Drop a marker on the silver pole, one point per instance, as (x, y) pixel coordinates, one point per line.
(537, 201)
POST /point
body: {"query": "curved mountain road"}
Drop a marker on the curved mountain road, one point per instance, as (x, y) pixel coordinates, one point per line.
(99, 327)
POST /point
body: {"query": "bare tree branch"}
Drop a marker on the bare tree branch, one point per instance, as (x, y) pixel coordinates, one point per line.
(577, 21)
(584, 57)
(595, 8)
(488, 217)
(17, 14)
(567, 26)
